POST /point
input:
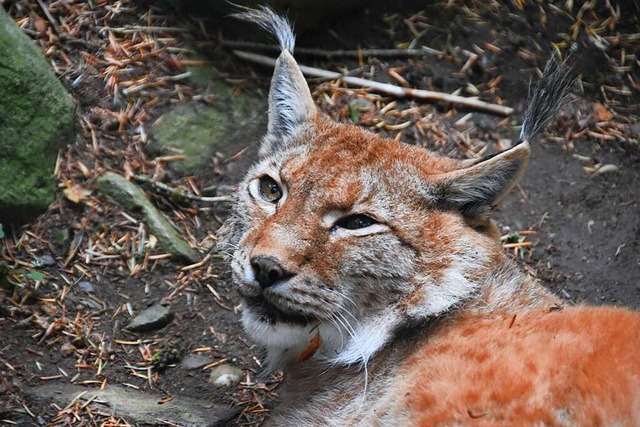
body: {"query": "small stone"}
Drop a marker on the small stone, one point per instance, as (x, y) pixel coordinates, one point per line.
(226, 375)
(67, 349)
(86, 286)
(153, 318)
(45, 260)
(195, 361)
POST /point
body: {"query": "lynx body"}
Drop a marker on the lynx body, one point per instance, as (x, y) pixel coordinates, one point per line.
(374, 277)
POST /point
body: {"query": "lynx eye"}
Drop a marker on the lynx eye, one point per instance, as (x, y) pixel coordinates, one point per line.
(269, 189)
(354, 222)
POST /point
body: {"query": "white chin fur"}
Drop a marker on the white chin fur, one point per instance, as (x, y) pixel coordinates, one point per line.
(278, 336)
(367, 339)
(285, 341)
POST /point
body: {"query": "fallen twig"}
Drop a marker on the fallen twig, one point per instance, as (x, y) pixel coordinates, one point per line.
(174, 192)
(354, 53)
(386, 88)
(130, 29)
(159, 82)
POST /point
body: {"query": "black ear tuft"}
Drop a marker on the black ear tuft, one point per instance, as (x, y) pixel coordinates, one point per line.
(550, 96)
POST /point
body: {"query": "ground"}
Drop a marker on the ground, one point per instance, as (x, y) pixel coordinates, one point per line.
(74, 277)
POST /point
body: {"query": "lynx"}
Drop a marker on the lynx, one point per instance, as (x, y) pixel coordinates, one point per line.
(372, 274)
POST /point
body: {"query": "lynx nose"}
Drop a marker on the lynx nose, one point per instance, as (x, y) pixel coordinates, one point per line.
(267, 270)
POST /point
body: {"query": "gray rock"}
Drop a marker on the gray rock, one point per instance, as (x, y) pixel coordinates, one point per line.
(153, 318)
(139, 408)
(195, 361)
(36, 120)
(131, 197)
(86, 286)
(197, 131)
(44, 260)
(226, 375)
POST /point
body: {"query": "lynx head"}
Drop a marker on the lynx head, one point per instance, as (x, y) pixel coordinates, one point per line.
(342, 232)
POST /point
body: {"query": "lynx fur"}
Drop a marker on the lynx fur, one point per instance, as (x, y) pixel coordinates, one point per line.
(385, 253)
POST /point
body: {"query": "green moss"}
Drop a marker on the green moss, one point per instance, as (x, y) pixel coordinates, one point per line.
(132, 198)
(202, 75)
(197, 130)
(191, 130)
(36, 120)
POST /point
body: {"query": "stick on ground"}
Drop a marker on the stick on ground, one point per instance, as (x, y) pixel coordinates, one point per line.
(353, 53)
(386, 88)
(181, 194)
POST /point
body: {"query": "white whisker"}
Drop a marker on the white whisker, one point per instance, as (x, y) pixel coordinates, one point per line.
(341, 319)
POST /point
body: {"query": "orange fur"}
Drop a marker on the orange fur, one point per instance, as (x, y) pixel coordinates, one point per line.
(566, 367)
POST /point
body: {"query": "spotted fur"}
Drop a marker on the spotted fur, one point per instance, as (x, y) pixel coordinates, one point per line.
(423, 318)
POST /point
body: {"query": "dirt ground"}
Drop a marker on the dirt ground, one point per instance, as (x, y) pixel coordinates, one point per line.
(574, 221)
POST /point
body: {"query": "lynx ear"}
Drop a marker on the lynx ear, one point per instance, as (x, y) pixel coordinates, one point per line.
(290, 102)
(478, 187)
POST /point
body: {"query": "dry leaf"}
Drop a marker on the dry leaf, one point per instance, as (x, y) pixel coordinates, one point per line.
(311, 349)
(40, 25)
(76, 193)
(602, 114)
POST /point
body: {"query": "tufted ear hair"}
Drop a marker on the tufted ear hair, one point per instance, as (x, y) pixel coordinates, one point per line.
(290, 101)
(479, 185)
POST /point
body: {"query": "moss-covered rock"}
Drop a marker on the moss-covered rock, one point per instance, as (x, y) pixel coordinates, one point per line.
(36, 120)
(198, 130)
(132, 198)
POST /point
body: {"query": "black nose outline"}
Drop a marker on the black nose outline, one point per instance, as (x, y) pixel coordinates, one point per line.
(267, 270)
